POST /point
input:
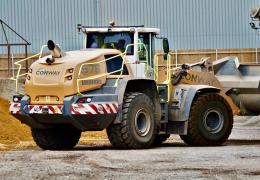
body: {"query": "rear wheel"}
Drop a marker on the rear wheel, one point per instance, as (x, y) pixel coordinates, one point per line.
(137, 128)
(210, 121)
(57, 138)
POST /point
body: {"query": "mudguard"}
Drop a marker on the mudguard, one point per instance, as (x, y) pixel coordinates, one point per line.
(182, 98)
(121, 89)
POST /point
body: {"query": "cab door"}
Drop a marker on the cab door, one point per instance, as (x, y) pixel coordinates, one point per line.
(146, 38)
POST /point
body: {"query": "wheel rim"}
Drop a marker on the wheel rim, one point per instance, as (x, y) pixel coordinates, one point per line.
(142, 122)
(213, 121)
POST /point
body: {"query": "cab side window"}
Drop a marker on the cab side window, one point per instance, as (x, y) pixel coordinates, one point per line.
(115, 64)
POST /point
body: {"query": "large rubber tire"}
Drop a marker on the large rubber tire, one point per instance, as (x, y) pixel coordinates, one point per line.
(60, 137)
(210, 121)
(160, 138)
(137, 128)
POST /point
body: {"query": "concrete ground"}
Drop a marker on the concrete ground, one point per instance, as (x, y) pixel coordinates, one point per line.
(239, 158)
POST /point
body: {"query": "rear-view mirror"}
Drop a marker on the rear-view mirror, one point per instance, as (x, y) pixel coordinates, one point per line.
(166, 48)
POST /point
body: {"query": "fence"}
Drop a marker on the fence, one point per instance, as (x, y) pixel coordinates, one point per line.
(178, 57)
(8, 45)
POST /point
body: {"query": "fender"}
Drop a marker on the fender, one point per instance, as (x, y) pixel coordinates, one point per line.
(182, 98)
(122, 88)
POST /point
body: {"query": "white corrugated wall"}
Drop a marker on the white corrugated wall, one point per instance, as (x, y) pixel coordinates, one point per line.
(189, 24)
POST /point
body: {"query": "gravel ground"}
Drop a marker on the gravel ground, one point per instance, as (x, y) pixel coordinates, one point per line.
(239, 158)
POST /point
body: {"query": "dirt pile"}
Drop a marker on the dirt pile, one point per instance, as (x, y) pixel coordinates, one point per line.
(12, 131)
(94, 138)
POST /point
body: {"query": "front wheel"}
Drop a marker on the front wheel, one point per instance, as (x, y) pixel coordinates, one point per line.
(210, 121)
(137, 128)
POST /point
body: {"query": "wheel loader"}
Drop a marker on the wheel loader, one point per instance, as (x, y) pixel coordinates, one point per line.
(115, 82)
(241, 81)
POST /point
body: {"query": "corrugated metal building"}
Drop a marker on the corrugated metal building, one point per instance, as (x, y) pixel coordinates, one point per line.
(189, 24)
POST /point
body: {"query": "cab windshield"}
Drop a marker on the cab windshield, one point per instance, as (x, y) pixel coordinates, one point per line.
(111, 40)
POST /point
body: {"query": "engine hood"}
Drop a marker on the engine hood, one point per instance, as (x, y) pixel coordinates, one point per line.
(50, 83)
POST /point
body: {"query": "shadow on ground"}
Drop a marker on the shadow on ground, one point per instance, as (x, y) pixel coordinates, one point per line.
(108, 146)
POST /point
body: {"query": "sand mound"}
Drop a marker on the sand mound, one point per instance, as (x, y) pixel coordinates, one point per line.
(11, 131)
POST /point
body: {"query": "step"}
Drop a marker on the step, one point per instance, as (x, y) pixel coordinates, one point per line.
(162, 86)
(163, 101)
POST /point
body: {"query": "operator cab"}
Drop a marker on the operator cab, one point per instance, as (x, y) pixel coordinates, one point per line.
(122, 38)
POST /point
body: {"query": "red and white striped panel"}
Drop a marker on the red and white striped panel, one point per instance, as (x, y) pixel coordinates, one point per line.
(15, 108)
(40, 109)
(95, 108)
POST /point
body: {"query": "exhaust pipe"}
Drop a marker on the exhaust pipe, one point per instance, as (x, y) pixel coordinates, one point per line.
(54, 49)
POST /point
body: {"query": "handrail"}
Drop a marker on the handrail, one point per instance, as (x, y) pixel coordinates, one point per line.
(156, 66)
(168, 67)
(168, 72)
(169, 59)
(102, 75)
(18, 63)
(106, 74)
(146, 53)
